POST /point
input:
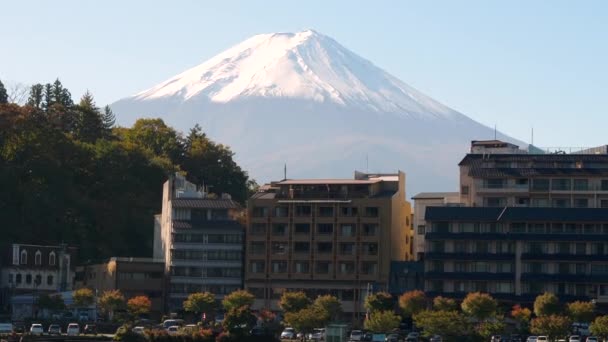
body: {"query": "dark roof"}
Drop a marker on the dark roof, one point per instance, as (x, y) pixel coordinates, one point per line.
(205, 203)
(224, 224)
(435, 195)
(472, 158)
(511, 214)
(528, 172)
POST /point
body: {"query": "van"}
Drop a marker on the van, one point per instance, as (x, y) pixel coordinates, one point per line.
(73, 329)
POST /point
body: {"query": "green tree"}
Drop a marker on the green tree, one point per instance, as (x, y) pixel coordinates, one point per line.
(581, 312)
(382, 321)
(238, 299)
(35, 98)
(479, 305)
(379, 301)
(239, 321)
(489, 328)
(3, 94)
(155, 136)
(412, 302)
(89, 125)
(522, 316)
(83, 297)
(331, 305)
(451, 325)
(444, 304)
(293, 301)
(599, 327)
(201, 302)
(108, 119)
(546, 304)
(139, 305)
(110, 301)
(553, 326)
(305, 320)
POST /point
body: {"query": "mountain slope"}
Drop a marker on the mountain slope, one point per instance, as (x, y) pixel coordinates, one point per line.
(305, 100)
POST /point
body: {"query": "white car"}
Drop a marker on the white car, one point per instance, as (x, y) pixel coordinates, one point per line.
(6, 328)
(592, 339)
(138, 330)
(36, 329)
(356, 335)
(532, 339)
(173, 330)
(574, 338)
(73, 329)
(318, 334)
(542, 339)
(436, 338)
(288, 334)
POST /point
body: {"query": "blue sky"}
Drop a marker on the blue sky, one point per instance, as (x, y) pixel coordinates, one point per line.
(514, 64)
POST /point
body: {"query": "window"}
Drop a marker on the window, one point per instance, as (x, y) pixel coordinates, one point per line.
(368, 267)
(604, 203)
(23, 259)
(347, 248)
(323, 267)
(28, 279)
(324, 247)
(536, 248)
(281, 211)
(581, 268)
(279, 229)
(18, 279)
(37, 280)
(279, 267)
(302, 228)
(301, 247)
(540, 184)
(256, 267)
(481, 247)
(480, 286)
(495, 201)
(459, 286)
(49, 280)
(260, 211)
(540, 202)
(561, 203)
(301, 267)
(279, 248)
(468, 227)
(599, 269)
(303, 210)
(560, 184)
(504, 287)
(370, 229)
(604, 184)
(563, 248)
(505, 247)
(10, 278)
(326, 211)
(52, 259)
(581, 184)
(258, 229)
(518, 227)
(257, 247)
(347, 230)
(557, 228)
(460, 266)
(598, 248)
(348, 211)
(464, 190)
(536, 228)
(437, 266)
(325, 228)
(441, 227)
(504, 267)
(371, 211)
(563, 268)
(460, 247)
(496, 183)
(420, 230)
(437, 246)
(346, 267)
(480, 266)
(38, 258)
(370, 248)
(581, 248)
(581, 203)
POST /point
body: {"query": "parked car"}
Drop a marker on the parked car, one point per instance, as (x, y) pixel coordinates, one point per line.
(414, 334)
(592, 339)
(574, 338)
(54, 329)
(436, 338)
(73, 329)
(173, 330)
(532, 339)
(19, 328)
(138, 330)
(542, 339)
(393, 338)
(90, 329)
(36, 329)
(288, 334)
(561, 340)
(172, 322)
(318, 334)
(516, 338)
(356, 335)
(495, 338)
(6, 328)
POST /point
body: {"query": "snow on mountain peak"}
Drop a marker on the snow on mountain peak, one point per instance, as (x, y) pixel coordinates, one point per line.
(303, 65)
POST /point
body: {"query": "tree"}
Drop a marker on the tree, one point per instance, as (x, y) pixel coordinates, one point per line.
(412, 302)
(269, 322)
(3, 94)
(553, 326)
(239, 321)
(238, 299)
(449, 324)
(379, 301)
(546, 304)
(83, 297)
(489, 328)
(331, 305)
(479, 305)
(444, 304)
(89, 125)
(581, 312)
(200, 302)
(35, 98)
(599, 327)
(111, 301)
(139, 305)
(293, 301)
(305, 320)
(50, 302)
(521, 316)
(108, 118)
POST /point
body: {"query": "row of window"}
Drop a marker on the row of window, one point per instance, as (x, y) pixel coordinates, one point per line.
(517, 227)
(470, 286)
(208, 238)
(181, 288)
(282, 248)
(344, 230)
(37, 258)
(17, 279)
(222, 255)
(322, 211)
(277, 292)
(206, 272)
(546, 184)
(535, 247)
(565, 268)
(474, 266)
(321, 267)
(545, 202)
(507, 287)
(139, 275)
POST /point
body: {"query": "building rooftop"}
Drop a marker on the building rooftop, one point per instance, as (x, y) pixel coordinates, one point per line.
(205, 203)
(435, 195)
(512, 214)
(328, 181)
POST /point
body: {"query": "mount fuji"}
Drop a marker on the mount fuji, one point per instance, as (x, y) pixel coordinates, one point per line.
(304, 100)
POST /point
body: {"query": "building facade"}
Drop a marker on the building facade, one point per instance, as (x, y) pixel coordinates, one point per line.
(327, 236)
(200, 238)
(421, 201)
(132, 276)
(531, 223)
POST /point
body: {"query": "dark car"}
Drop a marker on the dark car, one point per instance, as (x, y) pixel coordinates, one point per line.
(54, 329)
(90, 329)
(19, 328)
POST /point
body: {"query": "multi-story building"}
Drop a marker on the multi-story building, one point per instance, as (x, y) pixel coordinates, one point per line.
(132, 276)
(421, 201)
(200, 239)
(532, 223)
(321, 236)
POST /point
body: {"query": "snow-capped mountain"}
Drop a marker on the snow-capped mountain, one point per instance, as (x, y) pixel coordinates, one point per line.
(305, 100)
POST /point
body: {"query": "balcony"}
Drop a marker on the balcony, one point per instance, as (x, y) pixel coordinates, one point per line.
(468, 256)
(575, 278)
(564, 257)
(468, 276)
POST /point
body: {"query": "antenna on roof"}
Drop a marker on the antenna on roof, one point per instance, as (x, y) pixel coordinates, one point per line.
(532, 137)
(494, 131)
(285, 172)
(366, 163)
